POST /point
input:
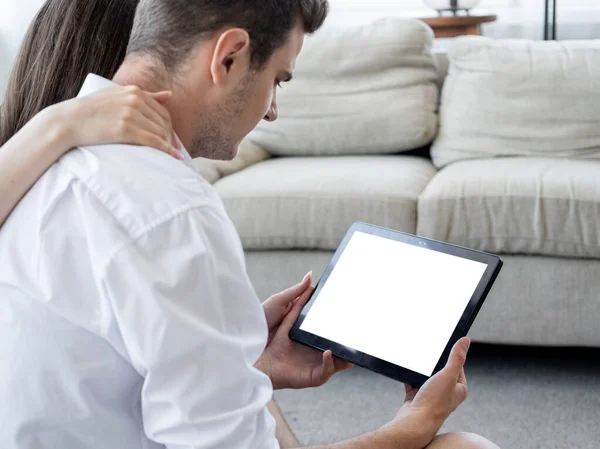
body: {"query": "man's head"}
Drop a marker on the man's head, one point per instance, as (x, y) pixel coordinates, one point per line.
(223, 59)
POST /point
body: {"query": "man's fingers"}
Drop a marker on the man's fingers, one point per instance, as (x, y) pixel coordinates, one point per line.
(330, 366)
(290, 319)
(327, 367)
(462, 388)
(294, 292)
(410, 391)
(462, 379)
(280, 304)
(341, 365)
(458, 356)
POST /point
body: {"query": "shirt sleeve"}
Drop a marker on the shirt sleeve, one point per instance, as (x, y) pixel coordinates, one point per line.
(191, 325)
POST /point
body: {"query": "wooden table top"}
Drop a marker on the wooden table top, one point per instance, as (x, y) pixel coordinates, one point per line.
(457, 21)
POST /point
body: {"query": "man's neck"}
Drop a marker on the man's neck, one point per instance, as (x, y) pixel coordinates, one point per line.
(145, 74)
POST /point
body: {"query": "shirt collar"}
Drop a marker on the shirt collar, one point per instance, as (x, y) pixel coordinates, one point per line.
(94, 83)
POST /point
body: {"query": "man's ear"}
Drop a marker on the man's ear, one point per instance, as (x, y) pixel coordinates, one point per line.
(231, 58)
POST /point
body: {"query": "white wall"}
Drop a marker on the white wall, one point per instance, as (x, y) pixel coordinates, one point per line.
(578, 19)
(15, 16)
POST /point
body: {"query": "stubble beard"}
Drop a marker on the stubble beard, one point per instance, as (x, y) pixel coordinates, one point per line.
(215, 137)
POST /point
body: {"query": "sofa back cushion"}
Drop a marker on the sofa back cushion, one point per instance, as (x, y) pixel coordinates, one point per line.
(358, 90)
(520, 98)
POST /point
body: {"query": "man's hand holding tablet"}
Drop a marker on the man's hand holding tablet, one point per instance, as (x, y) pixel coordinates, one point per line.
(421, 416)
(426, 409)
(396, 303)
(287, 363)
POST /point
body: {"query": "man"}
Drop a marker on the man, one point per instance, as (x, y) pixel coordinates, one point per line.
(128, 313)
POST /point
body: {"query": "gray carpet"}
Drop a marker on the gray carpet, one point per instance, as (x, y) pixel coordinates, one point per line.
(520, 398)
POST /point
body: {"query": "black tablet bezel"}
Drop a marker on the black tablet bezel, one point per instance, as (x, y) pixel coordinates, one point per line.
(494, 264)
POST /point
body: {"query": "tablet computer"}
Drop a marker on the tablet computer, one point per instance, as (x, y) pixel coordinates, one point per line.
(396, 303)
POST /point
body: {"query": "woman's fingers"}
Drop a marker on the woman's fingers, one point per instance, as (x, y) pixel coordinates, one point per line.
(128, 115)
(149, 125)
(137, 122)
(158, 107)
(146, 103)
(141, 131)
(156, 117)
(155, 102)
(148, 139)
(162, 97)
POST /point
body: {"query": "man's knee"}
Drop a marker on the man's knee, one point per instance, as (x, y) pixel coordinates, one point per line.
(461, 441)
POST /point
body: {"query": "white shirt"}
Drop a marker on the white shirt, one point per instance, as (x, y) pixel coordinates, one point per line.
(127, 319)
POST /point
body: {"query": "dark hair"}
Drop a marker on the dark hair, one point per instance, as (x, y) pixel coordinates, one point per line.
(67, 40)
(170, 29)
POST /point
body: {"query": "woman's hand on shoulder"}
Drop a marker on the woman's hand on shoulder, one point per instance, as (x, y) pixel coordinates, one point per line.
(119, 114)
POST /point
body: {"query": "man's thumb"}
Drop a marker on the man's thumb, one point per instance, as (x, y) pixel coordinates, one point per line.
(458, 356)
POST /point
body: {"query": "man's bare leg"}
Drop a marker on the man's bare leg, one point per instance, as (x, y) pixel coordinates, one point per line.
(285, 436)
(461, 441)
(287, 439)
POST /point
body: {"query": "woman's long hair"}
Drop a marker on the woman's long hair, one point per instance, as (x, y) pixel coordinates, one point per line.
(67, 40)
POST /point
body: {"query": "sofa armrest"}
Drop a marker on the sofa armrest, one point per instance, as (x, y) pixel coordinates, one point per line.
(248, 155)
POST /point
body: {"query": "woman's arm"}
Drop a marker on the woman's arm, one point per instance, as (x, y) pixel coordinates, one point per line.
(115, 115)
(25, 157)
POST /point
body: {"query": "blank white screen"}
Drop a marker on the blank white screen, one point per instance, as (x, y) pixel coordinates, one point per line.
(394, 301)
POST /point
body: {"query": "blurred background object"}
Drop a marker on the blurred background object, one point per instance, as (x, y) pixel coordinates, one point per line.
(458, 25)
(452, 6)
(516, 19)
(550, 20)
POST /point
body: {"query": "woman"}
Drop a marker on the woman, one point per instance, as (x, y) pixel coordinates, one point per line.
(72, 37)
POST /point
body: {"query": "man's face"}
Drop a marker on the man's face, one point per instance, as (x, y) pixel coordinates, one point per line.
(236, 111)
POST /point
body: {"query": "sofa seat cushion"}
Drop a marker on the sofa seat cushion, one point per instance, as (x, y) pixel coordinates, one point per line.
(516, 206)
(309, 203)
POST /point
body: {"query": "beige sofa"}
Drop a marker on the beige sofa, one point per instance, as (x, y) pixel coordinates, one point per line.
(514, 168)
